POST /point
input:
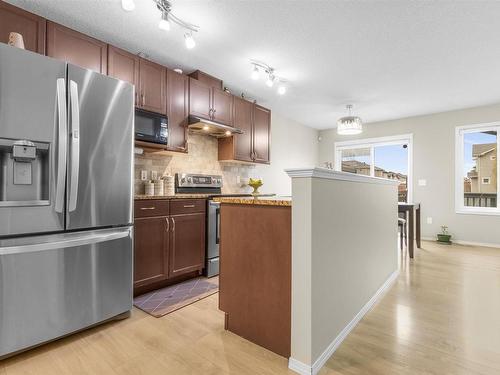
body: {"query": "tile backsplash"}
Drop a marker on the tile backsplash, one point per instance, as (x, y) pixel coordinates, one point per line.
(202, 158)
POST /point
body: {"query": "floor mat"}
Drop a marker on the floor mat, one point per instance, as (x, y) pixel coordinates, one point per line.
(163, 301)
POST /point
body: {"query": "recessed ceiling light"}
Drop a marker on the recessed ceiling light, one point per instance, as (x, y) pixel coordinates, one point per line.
(189, 40)
(128, 5)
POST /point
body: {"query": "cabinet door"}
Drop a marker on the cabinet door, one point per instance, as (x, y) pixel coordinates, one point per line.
(150, 250)
(222, 105)
(187, 243)
(78, 49)
(200, 99)
(243, 121)
(30, 26)
(123, 65)
(261, 133)
(177, 110)
(153, 82)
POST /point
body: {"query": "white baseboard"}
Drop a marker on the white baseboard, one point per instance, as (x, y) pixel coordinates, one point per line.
(303, 369)
(467, 243)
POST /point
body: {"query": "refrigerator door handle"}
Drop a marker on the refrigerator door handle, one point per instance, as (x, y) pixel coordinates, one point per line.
(63, 140)
(63, 241)
(75, 145)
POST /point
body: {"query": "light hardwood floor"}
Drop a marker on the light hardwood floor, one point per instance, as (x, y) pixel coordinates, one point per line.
(441, 317)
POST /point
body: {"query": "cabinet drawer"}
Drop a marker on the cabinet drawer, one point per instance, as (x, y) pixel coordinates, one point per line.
(148, 208)
(187, 206)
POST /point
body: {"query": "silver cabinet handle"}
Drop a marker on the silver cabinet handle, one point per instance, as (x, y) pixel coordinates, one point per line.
(148, 208)
(173, 225)
(189, 206)
(75, 145)
(168, 224)
(63, 140)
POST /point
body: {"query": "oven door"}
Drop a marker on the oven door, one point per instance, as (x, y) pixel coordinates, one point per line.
(151, 127)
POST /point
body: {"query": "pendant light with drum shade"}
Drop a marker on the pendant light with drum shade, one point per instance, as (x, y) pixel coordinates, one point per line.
(349, 125)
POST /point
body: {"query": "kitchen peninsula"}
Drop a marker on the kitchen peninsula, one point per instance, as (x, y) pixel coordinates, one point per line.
(298, 273)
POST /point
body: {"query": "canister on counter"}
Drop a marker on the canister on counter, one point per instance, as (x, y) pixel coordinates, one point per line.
(149, 188)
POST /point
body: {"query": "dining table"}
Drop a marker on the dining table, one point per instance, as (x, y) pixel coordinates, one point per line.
(412, 216)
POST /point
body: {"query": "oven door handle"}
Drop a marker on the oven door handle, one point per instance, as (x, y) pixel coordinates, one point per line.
(217, 225)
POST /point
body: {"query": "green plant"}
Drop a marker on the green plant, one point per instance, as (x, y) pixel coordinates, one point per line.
(444, 236)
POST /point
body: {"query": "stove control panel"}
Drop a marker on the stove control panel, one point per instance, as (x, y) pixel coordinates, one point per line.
(198, 180)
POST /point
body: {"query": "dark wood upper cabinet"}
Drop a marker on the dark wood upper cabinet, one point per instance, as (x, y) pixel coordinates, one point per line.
(243, 143)
(151, 242)
(261, 134)
(76, 48)
(123, 65)
(29, 25)
(200, 99)
(209, 102)
(254, 144)
(152, 87)
(187, 243)
(222, 106)
(177, 110)
(207, 79)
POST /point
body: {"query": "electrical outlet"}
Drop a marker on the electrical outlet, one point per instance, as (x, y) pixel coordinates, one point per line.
(144, 175)
(422, 182)
(429, 220)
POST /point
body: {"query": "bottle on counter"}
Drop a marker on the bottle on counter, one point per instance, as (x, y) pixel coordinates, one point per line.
(158, 187)
(149, 188)
(168, 185)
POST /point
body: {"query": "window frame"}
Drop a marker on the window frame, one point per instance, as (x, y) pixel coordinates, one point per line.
(371, 143)
(460, 131)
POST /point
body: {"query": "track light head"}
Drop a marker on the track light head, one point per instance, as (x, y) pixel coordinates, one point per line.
(189, 40)
(128, 5)
(164, 22)
(270, 80)
(282, 90)
(255, 73)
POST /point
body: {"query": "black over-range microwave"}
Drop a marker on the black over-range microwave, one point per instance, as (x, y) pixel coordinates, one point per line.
(151, 127)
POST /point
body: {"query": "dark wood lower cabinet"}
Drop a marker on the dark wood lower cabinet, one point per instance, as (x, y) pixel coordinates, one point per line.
(187, 244)
(168, 247)
(151, 243)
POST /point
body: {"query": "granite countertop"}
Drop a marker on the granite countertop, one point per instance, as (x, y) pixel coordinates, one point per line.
(176, 196)
(260, 201)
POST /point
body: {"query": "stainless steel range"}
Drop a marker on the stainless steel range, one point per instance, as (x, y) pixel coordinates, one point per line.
(186, 183)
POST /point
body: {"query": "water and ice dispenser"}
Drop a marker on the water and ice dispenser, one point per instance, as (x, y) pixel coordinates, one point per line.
(24, 173)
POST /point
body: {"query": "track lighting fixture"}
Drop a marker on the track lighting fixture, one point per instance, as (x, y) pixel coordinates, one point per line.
(128, 5)
(167, 18)
(271, 77)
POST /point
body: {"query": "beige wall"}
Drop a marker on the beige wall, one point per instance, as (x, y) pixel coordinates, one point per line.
(434, 161)
(344, 248)
(292, 145)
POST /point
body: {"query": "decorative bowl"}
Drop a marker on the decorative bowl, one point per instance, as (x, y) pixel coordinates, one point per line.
(255, 184)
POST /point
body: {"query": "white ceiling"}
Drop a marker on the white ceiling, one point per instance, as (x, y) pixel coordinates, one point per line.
(390, 59)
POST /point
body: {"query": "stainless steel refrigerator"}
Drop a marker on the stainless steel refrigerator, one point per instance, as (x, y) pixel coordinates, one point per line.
(66, 160)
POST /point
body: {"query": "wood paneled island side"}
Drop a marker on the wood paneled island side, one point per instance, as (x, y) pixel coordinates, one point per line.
(255, 270)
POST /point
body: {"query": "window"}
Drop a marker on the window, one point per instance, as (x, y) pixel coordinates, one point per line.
(386, 157)
(477, 187)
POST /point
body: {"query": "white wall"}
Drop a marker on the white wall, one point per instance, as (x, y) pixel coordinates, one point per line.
(293, 145)
(344, 250)
(433, 160)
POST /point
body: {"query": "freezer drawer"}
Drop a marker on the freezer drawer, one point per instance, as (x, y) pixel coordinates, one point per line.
(55, 285)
